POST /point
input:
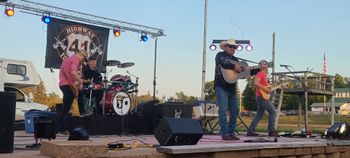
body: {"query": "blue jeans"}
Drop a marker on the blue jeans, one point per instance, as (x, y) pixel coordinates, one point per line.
(262, 106)
(227, 101)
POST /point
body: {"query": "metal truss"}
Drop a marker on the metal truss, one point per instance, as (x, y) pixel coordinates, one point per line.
(43, 9)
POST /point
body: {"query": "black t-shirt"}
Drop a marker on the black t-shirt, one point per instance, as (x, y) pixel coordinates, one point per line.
(88, 74)
(221, 60)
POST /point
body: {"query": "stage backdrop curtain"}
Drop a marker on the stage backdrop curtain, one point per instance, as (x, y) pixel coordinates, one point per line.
(64, 38)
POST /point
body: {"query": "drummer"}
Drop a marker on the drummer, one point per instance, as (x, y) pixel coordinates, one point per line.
(90, 76)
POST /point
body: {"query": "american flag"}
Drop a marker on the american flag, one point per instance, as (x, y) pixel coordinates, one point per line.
(324, 65)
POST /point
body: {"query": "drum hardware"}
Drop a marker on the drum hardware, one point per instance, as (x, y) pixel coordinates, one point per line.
(111, 63)
(135, 88)
(126, 65)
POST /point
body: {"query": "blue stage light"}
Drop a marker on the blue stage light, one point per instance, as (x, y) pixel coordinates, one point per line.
(46, 19)
(143, 37)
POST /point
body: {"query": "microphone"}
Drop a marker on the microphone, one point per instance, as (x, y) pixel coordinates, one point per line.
(285, 65)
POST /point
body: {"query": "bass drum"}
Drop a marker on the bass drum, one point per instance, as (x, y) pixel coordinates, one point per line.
(117, 103)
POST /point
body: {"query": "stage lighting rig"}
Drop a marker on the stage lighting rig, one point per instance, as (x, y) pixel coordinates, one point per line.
(143, 37)
(116, 32)
(9, 11)
(240, 44)
(212, 47)
(46, 19)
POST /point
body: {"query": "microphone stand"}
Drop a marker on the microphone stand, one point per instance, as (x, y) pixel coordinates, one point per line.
(306, 89)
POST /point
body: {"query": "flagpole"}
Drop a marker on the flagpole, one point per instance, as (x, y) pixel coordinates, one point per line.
(324, 80)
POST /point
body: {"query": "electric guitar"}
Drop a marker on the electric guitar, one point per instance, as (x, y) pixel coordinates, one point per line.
(266, 95)
(231, 76)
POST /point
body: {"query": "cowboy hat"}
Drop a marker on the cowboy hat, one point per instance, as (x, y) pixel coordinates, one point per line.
(230, 41)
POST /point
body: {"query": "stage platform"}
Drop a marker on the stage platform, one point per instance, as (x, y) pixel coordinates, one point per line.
(210, 146)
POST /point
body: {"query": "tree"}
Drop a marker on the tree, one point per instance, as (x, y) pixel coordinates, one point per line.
(39, 93)
(248, 95)
(339, 81)
(209, 91)
(186, 99)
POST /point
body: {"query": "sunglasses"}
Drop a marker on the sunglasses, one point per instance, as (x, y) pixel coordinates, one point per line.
(232, 46)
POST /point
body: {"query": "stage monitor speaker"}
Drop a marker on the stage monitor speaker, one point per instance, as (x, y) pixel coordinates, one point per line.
(178, 131)
(79, 134)
(7, 121)
(339, 130)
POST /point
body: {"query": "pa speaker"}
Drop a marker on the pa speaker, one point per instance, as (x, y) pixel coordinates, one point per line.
(44, 127)
(7, 121)
(79, 134)
(178, 131)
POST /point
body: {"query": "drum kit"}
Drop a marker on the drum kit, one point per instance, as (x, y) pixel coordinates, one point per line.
(116, 98)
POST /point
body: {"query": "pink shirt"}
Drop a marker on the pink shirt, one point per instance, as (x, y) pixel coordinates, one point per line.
(67, 67)
(263, 81)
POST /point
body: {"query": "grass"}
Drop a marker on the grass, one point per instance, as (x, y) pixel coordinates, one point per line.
(316, 123)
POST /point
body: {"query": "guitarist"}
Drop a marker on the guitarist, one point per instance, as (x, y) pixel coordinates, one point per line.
(225, 92)
(261, 83)
(70, 83)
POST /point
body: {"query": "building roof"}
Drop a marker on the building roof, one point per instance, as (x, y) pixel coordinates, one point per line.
(337, 90)
(319, 105)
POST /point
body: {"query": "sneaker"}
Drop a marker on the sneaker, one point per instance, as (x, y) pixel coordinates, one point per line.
(273, 134)
(226, 137)
(252, 134)
(234, 137)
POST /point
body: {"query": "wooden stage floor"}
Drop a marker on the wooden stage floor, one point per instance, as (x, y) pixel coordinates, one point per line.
(210, 146)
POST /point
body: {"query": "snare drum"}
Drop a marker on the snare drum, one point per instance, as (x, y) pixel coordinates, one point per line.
(117, 103)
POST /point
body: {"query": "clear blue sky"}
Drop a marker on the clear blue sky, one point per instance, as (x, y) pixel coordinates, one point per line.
(304, 30)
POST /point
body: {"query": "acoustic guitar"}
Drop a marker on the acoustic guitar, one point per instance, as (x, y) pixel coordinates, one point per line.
(231, 76)
(267, 96)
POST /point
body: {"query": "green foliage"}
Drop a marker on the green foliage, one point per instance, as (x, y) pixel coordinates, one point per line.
(186, 99)
(39, 93)
(248, 95)
(339, 82)
(209, 91)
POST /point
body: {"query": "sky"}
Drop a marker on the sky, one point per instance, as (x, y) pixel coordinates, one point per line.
(305, 30)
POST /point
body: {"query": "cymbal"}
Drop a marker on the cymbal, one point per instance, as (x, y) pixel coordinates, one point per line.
(111, 63)
(126, 65)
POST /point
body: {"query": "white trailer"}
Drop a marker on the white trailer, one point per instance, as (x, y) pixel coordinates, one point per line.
(16, 74)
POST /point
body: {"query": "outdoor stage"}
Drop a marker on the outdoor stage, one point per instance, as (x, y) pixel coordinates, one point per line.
(209, 146)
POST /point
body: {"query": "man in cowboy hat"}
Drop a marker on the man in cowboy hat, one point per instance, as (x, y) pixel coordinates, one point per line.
(225, 92)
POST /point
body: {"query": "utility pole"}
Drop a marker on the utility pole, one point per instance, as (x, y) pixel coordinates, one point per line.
(273, 57)
(204, 50)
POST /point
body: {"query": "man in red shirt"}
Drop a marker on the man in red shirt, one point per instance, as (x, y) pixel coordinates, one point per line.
(70, 82)
(261, 82)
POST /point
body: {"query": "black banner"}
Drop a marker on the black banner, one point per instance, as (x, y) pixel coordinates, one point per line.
(64, 38)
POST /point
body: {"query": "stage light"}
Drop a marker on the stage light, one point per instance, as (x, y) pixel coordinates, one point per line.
(239, 47)
(116, 32)
(338, 130)
(249, 48)
(212, 47)
(46, 19)
(9, 11)
(143, 37)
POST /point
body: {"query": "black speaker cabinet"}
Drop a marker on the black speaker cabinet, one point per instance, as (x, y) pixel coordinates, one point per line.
(44, 127)
(7, 121)
(178, 131)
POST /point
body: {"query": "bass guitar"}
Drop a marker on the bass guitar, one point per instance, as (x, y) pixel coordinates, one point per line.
(267, 96)
(231, 76)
